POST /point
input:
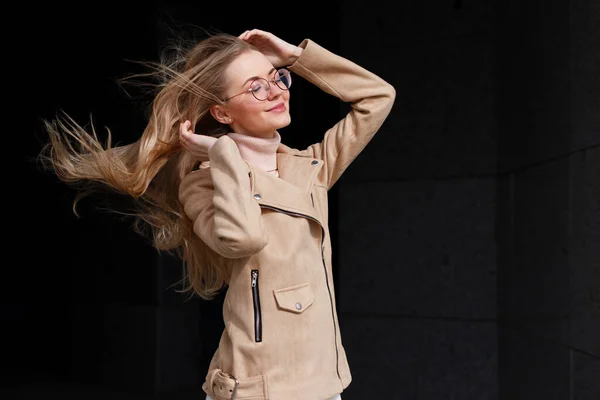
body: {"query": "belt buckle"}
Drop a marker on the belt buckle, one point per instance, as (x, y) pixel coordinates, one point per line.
(235, 388)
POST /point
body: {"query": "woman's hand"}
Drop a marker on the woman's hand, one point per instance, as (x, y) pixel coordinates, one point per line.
(197, 145)
(279, 52)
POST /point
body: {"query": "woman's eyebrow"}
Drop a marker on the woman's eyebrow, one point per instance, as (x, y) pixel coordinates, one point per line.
(256, 77)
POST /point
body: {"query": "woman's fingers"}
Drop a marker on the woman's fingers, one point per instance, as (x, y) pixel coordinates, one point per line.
(254, 33)
(184, 129)
(195, 144)
(258, 32)
(184, 135)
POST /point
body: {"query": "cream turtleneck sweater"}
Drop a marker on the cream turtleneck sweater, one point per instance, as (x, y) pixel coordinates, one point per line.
(258, 152)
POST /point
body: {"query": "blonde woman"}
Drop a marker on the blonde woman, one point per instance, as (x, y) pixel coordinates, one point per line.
(244, 211)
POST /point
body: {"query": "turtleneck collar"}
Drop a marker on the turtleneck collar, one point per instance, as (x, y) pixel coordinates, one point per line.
(259, 152)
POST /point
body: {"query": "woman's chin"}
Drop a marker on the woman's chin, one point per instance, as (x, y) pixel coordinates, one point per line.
(285, 121)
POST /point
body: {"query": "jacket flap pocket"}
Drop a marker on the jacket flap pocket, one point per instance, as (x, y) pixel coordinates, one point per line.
(295, 298)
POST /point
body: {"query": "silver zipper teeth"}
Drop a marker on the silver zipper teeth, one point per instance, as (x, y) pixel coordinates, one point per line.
(337, 356)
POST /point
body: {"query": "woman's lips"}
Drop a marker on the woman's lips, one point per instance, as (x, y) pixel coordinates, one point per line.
(278, 108)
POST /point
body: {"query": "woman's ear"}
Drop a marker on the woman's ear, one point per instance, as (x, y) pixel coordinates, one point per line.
(220, 114)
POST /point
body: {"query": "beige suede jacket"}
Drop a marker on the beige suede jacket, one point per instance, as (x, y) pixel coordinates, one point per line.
(282, 339)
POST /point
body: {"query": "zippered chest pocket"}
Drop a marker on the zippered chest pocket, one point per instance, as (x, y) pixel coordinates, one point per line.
(256, 305)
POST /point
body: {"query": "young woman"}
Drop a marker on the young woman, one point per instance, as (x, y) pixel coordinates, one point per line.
(246, 212)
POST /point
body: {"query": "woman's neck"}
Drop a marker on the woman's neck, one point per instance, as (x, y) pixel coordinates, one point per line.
(259, 152)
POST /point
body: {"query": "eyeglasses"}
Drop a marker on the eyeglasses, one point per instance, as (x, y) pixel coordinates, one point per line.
(261, 89)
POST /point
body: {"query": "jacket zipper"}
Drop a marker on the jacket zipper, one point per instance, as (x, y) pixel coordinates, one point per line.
(337, 367)
(256, 302)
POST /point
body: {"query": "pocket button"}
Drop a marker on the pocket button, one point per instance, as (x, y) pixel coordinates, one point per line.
(298, 306)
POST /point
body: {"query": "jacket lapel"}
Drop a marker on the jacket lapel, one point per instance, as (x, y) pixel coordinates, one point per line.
(291, 191)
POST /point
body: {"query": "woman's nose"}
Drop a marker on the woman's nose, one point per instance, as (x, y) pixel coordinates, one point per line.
(274, 91)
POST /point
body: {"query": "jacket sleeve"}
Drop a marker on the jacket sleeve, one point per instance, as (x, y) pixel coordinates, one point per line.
(219, 202)
(370, 97)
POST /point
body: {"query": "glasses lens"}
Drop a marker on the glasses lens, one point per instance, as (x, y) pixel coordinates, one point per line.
(283, 79)
(260, 89)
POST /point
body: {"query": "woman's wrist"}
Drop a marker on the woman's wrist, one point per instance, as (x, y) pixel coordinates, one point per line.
(295, 55)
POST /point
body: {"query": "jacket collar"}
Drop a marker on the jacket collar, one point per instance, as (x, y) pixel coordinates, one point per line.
(296, 168)
(293, 165)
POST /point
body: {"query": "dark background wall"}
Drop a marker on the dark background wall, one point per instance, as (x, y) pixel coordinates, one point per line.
(548, 196)
(466, 235)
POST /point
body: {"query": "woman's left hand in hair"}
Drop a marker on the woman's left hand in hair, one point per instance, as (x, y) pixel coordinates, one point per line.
(197, 145)
(279, 52)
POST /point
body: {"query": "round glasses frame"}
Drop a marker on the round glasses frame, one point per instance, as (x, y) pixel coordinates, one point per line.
(281, 72)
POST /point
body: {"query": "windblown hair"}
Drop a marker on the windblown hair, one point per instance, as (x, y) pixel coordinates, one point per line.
(151, 169)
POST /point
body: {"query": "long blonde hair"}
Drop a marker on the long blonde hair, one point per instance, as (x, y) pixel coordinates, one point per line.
(151, 169)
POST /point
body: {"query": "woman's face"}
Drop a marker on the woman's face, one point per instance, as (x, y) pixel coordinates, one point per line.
(249, 115)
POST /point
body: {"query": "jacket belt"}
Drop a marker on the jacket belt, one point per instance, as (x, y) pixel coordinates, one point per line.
(226, 386)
